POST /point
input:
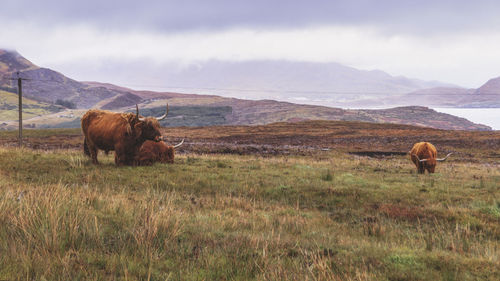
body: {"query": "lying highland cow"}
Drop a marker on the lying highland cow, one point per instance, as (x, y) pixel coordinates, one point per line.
(424, 156)
(151, 152)
(122, 132)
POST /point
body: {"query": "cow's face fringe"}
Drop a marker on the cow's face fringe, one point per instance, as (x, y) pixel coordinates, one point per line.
(150, 129)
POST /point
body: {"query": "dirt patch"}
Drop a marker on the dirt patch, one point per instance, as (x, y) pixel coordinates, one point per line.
(378, 154)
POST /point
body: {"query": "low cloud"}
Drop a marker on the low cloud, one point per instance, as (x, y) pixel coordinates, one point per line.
(449, 40)
(467, 58)
(406, 16)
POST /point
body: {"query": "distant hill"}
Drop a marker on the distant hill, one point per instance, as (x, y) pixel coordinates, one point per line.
(329, 84)
(488, 95)
(431, 97)
(287, 80)
(205, 111)
(47, 87)
(11, 62)
(439, 97)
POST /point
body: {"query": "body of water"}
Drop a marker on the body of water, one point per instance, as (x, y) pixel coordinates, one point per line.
(486, 116)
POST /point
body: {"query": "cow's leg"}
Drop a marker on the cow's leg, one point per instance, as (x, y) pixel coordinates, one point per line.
(421, 168)
(122, 156)
(119, 158)
(92, 149)
(145, 162)
(130, 159)
(132, 155)
(85, 147)
(119, 153)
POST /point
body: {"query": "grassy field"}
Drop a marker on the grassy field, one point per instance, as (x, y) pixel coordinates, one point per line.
(327, 216)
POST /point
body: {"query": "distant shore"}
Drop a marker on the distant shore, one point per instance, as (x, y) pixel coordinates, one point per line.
(486, 116)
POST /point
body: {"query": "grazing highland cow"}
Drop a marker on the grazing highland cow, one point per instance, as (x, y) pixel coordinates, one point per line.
(424, 155)
(151, 152)
(122, 132)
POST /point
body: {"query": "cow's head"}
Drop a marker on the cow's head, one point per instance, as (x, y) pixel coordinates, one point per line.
(148, 128)
(430, 163)
(168, 153)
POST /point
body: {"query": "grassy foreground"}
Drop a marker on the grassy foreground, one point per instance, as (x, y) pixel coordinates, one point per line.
(227, 217)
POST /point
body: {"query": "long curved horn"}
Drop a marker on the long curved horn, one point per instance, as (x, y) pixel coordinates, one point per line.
(163, 116)
(137, 113)
(423, 160)
(442, 159)
(179, 144)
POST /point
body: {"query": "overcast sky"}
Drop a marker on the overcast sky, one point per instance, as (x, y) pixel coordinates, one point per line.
(450, 41)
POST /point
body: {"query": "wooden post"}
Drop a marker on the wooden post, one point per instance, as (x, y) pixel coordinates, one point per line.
(20, 92)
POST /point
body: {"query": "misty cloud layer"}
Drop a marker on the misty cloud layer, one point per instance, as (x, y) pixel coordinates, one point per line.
(450, 41)
(401, 16)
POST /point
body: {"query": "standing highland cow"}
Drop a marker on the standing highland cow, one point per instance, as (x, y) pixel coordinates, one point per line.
(151, 152)
(424, 156)
(122, 132)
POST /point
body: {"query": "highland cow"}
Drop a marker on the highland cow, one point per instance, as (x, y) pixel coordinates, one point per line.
(122, 132)
(424, 156)
(151, 152)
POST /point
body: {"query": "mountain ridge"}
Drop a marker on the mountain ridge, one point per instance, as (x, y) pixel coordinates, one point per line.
(268, 79)
(49, 86)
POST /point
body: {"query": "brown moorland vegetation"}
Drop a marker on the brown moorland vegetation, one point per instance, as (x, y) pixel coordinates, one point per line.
(299, 205)
(305, 137)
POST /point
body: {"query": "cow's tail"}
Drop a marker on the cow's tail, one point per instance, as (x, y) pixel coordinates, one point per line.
(85, 147)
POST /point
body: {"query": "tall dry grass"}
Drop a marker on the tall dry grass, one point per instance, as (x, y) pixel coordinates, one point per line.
(225, 217)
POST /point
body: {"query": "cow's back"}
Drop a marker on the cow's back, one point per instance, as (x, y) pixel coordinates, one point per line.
(105, 129)
(424, 150)
(88, 118)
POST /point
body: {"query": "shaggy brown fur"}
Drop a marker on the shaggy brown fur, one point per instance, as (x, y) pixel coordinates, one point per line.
(424, 150)
(151, 152)
(122, 132)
